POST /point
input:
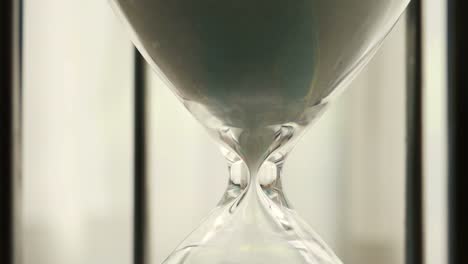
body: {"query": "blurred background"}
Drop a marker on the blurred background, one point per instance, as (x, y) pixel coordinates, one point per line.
(346, 177)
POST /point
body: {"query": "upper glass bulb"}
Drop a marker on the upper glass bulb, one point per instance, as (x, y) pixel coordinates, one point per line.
(252, 64)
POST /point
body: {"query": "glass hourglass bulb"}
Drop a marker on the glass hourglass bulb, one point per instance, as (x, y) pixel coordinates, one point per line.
(256, 73)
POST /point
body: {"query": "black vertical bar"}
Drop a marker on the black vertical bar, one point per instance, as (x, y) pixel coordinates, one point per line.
(140, 194)
(10, 82)
(6, 128)
(458, 131)
(414, 179)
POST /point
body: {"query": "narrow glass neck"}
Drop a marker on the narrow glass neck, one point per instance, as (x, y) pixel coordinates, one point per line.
(265, 181)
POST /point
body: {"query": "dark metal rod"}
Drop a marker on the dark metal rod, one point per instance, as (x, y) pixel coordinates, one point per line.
(10, 129)
(6, 128)
(414, 178)
(458, 132)
(140, 177)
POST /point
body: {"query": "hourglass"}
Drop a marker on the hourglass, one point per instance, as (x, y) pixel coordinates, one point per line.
(256, 74)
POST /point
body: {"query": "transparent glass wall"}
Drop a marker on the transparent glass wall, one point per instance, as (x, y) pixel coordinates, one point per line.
(346, 177)
(77, 116)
